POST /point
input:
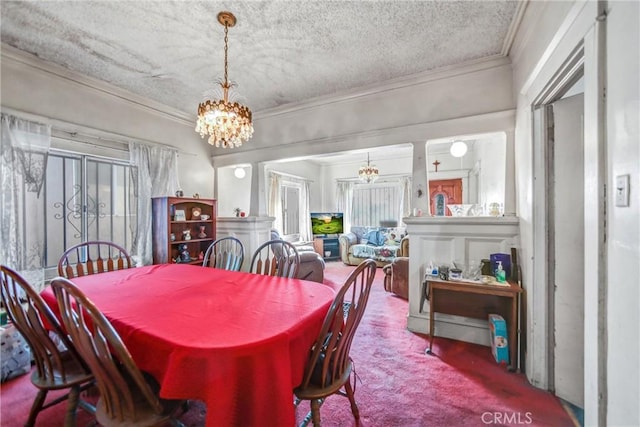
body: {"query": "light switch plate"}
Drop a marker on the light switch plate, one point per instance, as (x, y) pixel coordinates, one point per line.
(622, 190)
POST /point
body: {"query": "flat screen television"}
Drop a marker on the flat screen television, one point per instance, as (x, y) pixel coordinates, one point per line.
(326, 223)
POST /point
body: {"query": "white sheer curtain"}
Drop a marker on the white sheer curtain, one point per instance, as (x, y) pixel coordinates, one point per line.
(24, 148)
(306, 234)
(344, 202)
(274, 207)
(405, 204)
(157, 175)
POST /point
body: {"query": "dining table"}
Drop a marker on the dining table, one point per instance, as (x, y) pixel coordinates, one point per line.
(237, 341)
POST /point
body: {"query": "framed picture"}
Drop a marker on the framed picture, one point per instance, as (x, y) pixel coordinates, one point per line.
(180, 215)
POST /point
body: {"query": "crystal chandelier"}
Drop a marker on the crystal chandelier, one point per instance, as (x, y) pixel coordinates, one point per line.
(368, 173)
(228, 124)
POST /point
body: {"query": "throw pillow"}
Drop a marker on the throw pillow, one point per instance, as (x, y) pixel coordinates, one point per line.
(375, 238)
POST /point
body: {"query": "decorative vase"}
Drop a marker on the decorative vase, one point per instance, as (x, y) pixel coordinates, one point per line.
(202, 234)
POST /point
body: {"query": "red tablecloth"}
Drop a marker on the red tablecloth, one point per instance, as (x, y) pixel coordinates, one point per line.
(236, 341)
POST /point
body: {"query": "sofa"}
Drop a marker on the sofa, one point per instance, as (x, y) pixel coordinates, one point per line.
(380, 244)
(311, 264)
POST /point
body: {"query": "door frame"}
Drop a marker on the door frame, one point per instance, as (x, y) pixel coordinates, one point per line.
(584, 48)
(567, 76)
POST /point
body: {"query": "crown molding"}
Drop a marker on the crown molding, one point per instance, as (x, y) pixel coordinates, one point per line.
(495, 61)
(12, 54)
(514, 27)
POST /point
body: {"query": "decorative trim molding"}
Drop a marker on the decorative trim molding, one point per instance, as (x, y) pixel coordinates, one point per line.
(9, 53)
(568, 23)
(473, 66)
(514, 27)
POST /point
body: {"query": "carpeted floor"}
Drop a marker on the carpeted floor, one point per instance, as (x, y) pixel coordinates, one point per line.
(398, 386)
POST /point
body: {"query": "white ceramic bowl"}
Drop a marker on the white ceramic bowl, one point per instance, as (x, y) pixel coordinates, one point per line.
(459, 210)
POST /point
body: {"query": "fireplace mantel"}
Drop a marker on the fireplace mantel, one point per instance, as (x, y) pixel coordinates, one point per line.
(252, 231)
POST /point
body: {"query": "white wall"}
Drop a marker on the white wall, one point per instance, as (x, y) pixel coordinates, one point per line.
(466, 92)
(233, 192)
(406, 111)
(32, 86)
(623, 153)
(492, 169)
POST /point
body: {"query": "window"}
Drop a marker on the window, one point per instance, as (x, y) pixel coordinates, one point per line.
(87, 198)
(290, 208)
(374, 203)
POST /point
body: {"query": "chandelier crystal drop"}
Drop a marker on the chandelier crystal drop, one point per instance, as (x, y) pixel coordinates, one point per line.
(368, 173)
(228, 124)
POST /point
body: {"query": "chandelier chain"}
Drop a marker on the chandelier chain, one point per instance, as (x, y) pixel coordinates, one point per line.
(226, 49)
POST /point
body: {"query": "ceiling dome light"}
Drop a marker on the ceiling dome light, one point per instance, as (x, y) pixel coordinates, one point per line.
(458, 149)
(240, 173)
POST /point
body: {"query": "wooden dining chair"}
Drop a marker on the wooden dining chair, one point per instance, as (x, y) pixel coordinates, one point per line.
(226, 253)
(275, 258)
(56, 367)
(93, 257)
(128, 397)
(329, 366)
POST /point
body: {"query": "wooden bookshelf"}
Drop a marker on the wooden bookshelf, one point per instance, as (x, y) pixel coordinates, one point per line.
(169, 228)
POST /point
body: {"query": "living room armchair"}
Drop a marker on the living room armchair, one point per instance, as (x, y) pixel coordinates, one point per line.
(311, 264)
(396, 274)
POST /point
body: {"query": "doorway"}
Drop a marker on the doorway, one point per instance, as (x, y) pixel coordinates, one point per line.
(559, 116)
(443, 193)
(566, 243)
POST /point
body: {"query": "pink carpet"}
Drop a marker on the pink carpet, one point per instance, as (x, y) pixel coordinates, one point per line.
(460, 385)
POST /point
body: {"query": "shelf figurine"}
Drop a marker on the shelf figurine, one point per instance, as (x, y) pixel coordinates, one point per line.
(183, 251)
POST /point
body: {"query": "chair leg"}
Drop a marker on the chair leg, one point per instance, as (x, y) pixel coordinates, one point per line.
(350, 395)
(36, 407)
(72, 406)
(315, 412)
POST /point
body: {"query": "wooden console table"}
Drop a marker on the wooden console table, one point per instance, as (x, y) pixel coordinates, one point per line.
(476, 300)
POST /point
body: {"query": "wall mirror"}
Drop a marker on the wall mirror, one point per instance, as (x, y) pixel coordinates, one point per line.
(466, 175)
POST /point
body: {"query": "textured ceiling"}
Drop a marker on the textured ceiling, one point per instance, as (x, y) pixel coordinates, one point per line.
(280, 52)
